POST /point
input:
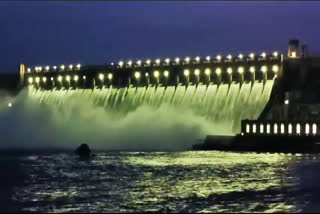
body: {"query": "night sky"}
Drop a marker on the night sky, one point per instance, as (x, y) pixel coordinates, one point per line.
(41, 33)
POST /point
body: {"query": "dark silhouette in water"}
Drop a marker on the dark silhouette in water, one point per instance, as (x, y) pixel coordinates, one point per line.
(83, 151)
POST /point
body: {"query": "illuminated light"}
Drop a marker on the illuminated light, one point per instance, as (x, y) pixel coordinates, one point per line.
(307, 129)
(79, 66)
(148, 61)
(208, 58)
(120, 63)
(101, 77)
(167, 60)
(286, 102)
(275, 68)
(263, 55)
(187, 59)
(251, 55)
(166, 73)
(197, 59)
(242, 133)
(36, 68)
(186, 72)
(110, 76)
(247, 128)
(37, 79)
(275, 128)
(51, 78)
(44, 79)
(240, 56)
(207, 71)
(219, 57)
(264, 69)
(275, 54)
(158, 61)
(268, 128)
(314, 128)
(261, 128)
(294, 54)
(29, 70)
(197, 72)
(40, 68)
(84, 77)
(177, 60)
(30, 80)
(146, 74)
(229, 57)
(76, 78)
(47, 68)
(252, 69)
(229, 70)
(137, 75)
(9, 105)
(68, 78)
(290, 128)
(59, 78)
(254, 128)
(129, 62)
(54, 67)
(240, 70)
(70, 67)
(298, 129)
(139, 62)
(282, 128)
(156, 74)
(62, 67)
(218, 71)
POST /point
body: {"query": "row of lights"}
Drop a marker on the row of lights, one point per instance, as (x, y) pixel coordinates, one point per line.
(156, 74)
(186, 72)
(47, 68)
(282, 128)
(197, 59)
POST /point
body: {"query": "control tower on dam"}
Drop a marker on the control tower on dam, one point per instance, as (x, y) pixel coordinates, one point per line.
(222, 89)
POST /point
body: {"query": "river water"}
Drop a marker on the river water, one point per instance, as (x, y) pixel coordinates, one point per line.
(160, 182)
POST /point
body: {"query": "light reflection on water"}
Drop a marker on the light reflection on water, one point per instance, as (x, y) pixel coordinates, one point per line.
(165, 182)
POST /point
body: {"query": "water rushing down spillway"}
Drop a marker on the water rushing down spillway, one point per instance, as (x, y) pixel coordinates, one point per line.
(221, 106)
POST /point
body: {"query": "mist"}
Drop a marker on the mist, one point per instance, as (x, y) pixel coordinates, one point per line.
(30, 123)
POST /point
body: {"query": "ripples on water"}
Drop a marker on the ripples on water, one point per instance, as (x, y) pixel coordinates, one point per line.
(165, 182)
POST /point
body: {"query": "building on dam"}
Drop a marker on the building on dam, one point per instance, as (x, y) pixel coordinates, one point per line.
(280, 89)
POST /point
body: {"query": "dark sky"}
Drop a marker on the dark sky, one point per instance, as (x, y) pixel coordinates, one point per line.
(41, 33)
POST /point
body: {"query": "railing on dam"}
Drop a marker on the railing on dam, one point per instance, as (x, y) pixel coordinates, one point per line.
(290, 128)
(164, 72)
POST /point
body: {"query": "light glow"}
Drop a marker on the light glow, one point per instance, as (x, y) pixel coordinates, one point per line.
(59, 78)
(186, 72)
(219, 57)
(78, 66)
(275, 54)
(307, 131)
(197, 59)
(9, 105)
(286, 102)
(254, 128)
(261, 128)
(76, 78)
(110, 76)
(251, 55)
(282, 128)
(290, 128)
(44, 79)
(208, 58)
(197, 72)
(158, 61)
(166, 73)
(240, 70)
(187, 59)
(252, 69)
(298, 128)
(62, 67)
(218, 71)
(130, 63)
(70, 67)
(264, 69)
(263, 55)
(167, 60)
(156, 74)
(268, 128)
(30, 80)
(294, 54)
(275, 128)
(229, 57)
(314, 128)
(207, 71)
(275, 68)
(148, 61)
(177, 60)
(37, 79)
(247, 128)
(47, 68)
(229, 70)
(137, 75)
(240, 56)
(29, 70)
(120, 63)
(139, 62)
(101, 77)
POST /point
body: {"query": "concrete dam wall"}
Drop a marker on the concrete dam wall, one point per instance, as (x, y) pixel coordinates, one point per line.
(222, 91)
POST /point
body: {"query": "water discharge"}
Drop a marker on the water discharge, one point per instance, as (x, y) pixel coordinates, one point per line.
(143, 118)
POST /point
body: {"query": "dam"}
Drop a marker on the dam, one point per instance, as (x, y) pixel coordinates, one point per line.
(234, 94)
